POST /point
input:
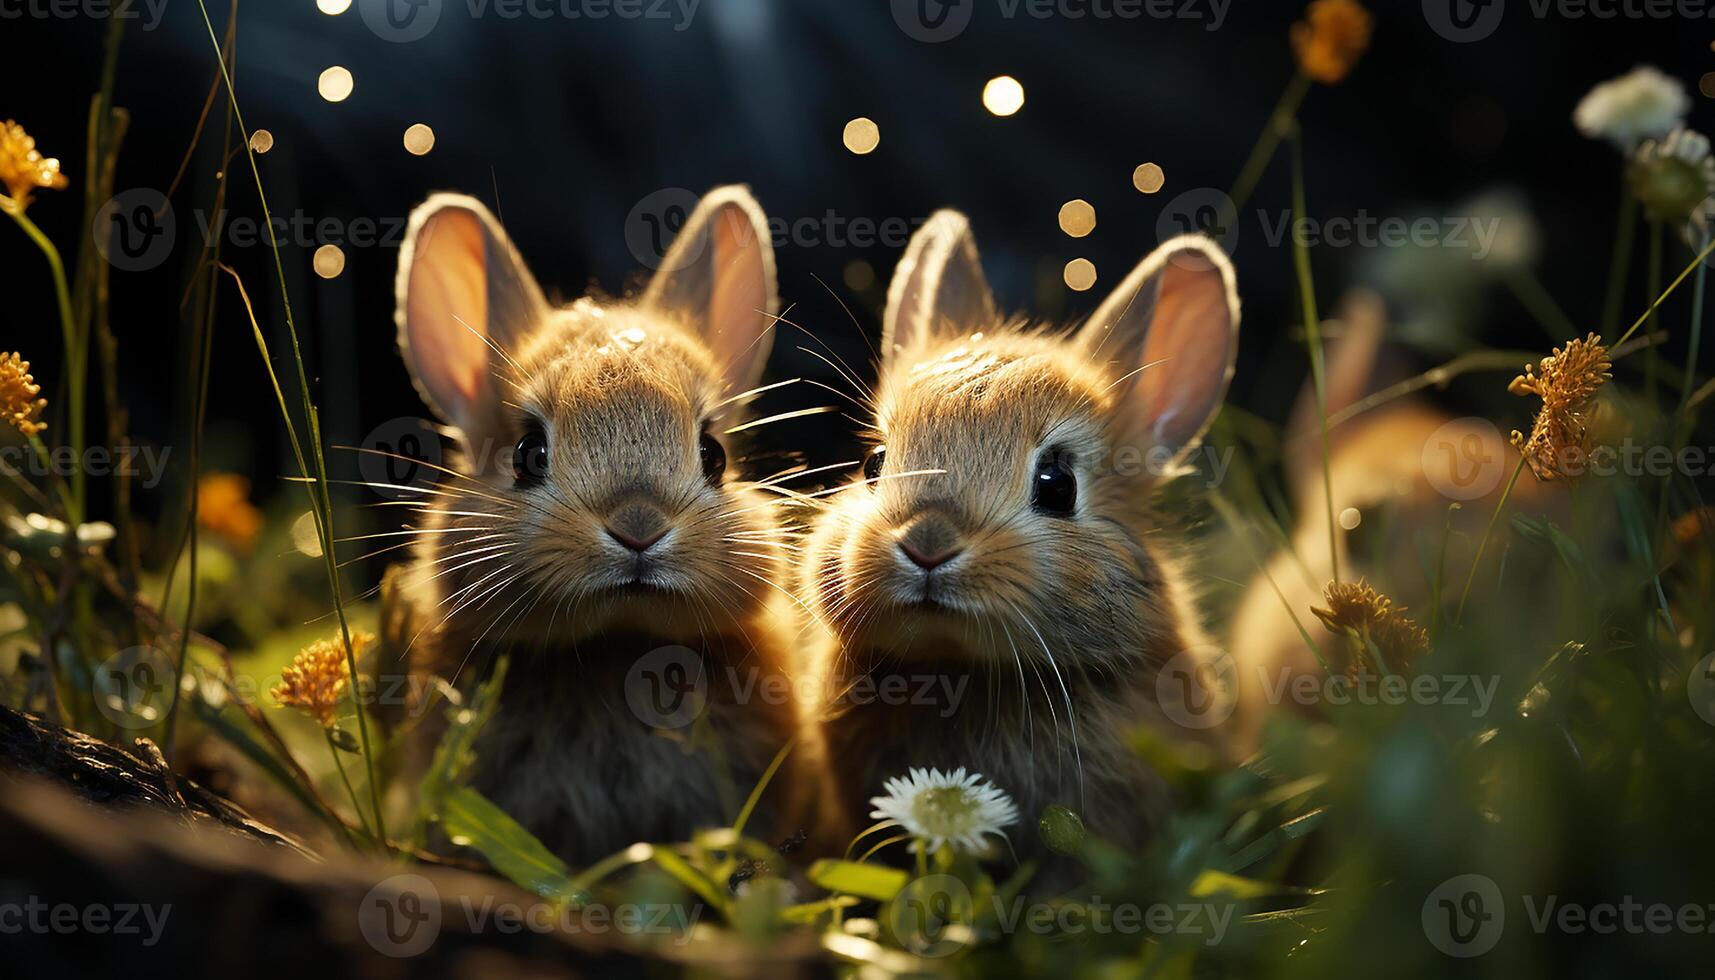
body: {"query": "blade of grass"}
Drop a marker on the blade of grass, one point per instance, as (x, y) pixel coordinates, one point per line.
(321, 500)
(1313, 340)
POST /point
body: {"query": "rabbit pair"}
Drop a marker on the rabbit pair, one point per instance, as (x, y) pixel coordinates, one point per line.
(990, 539)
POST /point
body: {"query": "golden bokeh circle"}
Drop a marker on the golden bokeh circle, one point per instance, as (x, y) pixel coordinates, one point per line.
(1148, 178)
(419, 139)
(329, 261)
(1077, 218)
(261, 141)
(1079, 274)
(861, 135)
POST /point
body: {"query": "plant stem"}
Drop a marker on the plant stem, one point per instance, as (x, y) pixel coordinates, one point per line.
(1279, 121)
(350, 791)
(1483, 543)
(322, 501)
(1696, 331)
(1627, 221)
(1651, 358)
(1708, 249)
(74, 395)
(1313, 339)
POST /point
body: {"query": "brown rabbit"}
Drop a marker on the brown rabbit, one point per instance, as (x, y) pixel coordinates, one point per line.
(592, 529)
(1394, 471)
(1002, 540)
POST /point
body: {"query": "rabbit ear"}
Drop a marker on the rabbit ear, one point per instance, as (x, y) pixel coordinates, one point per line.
(1171, 333)
(718, 280)
(463, 296)
(938, 285)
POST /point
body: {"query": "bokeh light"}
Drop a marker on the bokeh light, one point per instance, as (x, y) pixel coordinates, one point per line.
(862, 135)
(1003, 95)
(335, 84)
(261, 141)
(1079, 274)
(329, 261)
(419, 139)
(1077, 218)
(1148, 178)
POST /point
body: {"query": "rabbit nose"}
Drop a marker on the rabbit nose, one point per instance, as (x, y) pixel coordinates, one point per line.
(637, 527)
(930, 541)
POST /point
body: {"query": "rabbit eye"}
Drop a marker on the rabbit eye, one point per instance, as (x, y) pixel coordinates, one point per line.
(872, 463)
(713, 457)
(530, 457)
(1054, 488)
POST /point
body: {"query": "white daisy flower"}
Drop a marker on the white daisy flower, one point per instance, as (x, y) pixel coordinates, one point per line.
(938, 808)
(1674, 177)
(1642, 103)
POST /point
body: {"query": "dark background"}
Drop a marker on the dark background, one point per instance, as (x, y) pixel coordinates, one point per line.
(566, 124)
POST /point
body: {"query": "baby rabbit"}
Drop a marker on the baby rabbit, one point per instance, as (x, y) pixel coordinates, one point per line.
(1002, 543)
(591, 520)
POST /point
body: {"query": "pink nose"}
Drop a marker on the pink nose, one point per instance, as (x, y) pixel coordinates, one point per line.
(930, 560)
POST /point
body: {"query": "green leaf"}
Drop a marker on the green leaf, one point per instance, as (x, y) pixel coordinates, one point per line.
(851, 878)
(472, 821)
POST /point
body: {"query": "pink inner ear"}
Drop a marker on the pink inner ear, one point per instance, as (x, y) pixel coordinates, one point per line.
(1188, 336)
(737, 293)
(449, 284)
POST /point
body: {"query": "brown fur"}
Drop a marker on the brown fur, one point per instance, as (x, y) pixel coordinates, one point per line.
(1056, 625)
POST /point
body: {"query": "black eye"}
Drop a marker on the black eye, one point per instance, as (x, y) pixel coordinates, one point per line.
(1054, 488)
(872, 463)
(530, 457)
(713, 456)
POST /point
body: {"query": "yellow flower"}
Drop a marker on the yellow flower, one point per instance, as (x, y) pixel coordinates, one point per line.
(1331, 38)
(1566, 381)
(23, 169)
(223, 506)
(1357, 608)
(19, 405)
(314, 682)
